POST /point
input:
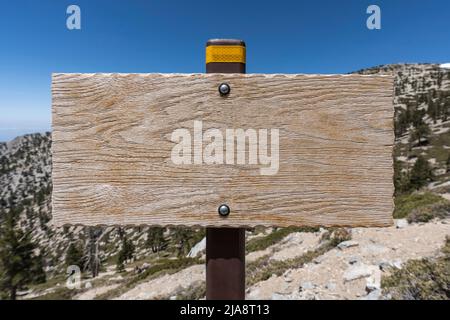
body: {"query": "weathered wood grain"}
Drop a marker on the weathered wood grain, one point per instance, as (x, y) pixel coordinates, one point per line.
(112, 146)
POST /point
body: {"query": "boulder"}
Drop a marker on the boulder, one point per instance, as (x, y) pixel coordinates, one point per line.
(359, 271)
(373, 282)
(330, 286)
(277, 296)
(374, 295)
(401, 223)
(307, 285)
(385, 265)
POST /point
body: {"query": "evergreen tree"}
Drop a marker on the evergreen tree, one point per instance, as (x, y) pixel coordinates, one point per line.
(37, 270)
(18, 264)
(433, 111)
(126, 253)
(420, 174)
(417, 118)
(421, 133)
(401, 179)
(184, 239)
(91, 256)
(155, 239)
(401, 124)
(74, 256)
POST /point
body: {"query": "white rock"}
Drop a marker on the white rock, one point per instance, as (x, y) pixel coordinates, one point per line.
(347, 244)
(359, 271)
(277, 296)
(401, 223)
(374, 295)
(197, 249)
(330, 286)
(384, 265)
(374, 249)
(397, 263)
(253, 295)
(373, 282)
(307, 285)
(439, 172)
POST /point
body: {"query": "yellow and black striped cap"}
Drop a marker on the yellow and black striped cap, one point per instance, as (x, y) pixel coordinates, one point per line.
(225, 53)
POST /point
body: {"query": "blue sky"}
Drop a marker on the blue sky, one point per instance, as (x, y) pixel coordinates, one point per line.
(321, 36)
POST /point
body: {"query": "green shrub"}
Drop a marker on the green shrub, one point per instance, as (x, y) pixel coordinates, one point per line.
(440, 210)
(406, 204)
(336, 235)
(424, 279)
(421, 174)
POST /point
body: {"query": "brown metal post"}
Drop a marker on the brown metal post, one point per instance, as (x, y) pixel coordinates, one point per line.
(225, 247)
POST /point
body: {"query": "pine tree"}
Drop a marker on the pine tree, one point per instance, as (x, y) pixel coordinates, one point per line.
(421, 133)
(74, 256)
(420, 174)
(417, 118)
(433, 111)
(37, 270)
(401, 179)
(18, 264)
(126, 253)
(91, 256)
(184, 239)
(401, 124)
(155, 239)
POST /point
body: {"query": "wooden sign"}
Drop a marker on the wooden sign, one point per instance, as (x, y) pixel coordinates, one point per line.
(169, 149)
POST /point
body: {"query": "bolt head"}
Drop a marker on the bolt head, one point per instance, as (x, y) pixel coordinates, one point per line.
(224, 89)
(224, 210)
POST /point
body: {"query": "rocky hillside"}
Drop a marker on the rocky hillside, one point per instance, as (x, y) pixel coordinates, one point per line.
(422, 125)
(26, 185)
(422, 117)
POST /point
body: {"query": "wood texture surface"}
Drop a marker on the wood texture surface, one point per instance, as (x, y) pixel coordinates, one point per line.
(112, 146)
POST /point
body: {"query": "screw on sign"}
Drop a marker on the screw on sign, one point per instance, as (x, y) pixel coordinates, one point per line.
(326, 162)
(224, 210)
(224, 89)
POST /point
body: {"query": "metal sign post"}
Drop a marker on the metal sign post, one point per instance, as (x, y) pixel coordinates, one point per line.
(225, 247)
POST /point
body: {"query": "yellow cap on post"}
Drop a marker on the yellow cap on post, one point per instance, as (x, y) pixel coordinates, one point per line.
(224, 53)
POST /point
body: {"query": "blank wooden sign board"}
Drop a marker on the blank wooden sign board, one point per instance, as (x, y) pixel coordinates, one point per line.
(169, 149)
